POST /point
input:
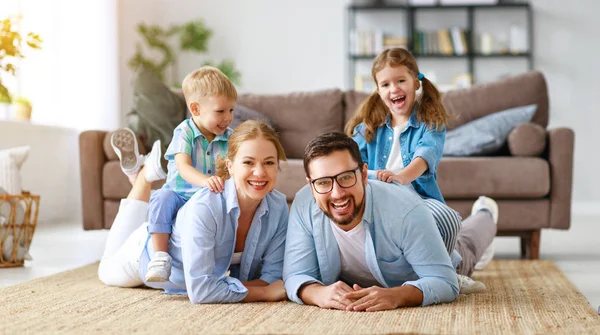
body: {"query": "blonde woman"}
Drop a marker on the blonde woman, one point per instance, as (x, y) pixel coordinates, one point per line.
(226, 247)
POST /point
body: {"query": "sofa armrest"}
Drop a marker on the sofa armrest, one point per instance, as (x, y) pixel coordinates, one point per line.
(560, 156)
(92, 160)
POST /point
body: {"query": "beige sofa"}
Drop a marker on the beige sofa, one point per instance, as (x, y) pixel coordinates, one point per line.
(533, 191)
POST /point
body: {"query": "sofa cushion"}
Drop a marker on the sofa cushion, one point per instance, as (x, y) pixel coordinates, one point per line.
(242, 113)
(496, 177)
(352, 99)
(291, 178)
(11, 161)
(528, 139)
(516, 214)
(299, 116)
(486, 135)
(482, 99)
(115, 185)
(156, 111)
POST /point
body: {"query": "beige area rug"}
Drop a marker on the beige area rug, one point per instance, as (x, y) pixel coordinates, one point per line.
(523, 297)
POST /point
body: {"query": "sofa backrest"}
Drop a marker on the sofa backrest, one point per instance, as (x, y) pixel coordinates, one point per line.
(482, 99)
(299, 116)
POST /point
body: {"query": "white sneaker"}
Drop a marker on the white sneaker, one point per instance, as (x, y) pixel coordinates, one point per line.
(468, 285)
(154, 169)
(159, 268)
(124, 143)
(485, 203)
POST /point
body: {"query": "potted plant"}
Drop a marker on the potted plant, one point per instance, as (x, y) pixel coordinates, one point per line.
(192, 36)
(12, 45)
(22, 109)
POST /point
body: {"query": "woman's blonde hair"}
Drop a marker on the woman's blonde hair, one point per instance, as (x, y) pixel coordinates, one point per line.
(248, 130)
(373, 111)
(207, 81)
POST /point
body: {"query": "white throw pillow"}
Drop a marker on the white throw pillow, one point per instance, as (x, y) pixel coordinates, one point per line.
(11, 161)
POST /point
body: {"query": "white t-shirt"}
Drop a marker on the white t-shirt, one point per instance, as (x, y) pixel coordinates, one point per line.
(352, 255)
(237, 258)
(394, 162)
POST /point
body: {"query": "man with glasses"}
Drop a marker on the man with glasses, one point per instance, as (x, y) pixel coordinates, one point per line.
(368, 246)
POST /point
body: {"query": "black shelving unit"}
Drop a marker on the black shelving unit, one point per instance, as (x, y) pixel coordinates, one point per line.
(411, 12)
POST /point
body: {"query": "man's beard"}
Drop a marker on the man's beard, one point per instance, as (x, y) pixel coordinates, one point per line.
(350, 218)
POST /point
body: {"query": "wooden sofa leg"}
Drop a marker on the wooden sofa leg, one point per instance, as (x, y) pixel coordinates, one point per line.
(534, 244)
(530, 245)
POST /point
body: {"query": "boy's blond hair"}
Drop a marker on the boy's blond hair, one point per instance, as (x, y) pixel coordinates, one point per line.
(207, 81)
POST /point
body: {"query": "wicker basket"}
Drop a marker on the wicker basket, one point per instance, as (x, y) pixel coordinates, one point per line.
(20, 228)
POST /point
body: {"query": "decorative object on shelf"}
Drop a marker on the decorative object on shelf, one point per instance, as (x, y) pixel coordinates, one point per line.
(468, 2)
(487, 44)
(12, 46)
(192, 36)
(22, 109)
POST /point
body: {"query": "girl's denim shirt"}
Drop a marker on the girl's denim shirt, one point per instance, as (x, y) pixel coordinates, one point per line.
(416, 141)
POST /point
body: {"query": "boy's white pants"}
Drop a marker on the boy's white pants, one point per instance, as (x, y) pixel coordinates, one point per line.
(127, 238)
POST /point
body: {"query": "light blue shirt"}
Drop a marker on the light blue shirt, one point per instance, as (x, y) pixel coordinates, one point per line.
(417, 141)
(402, 244)
(188, 139)
(203, 242)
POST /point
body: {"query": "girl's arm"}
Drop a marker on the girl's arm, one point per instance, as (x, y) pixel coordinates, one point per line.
(425, 160)
(430, 148)
(359, 138)
(414, 170)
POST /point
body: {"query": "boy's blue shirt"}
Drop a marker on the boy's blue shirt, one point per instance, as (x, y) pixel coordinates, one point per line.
(417, 141)
(188, 139)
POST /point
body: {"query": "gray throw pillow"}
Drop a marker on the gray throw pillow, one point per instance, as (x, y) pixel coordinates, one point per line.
(156, 111)
(242, 113)
(488, 134)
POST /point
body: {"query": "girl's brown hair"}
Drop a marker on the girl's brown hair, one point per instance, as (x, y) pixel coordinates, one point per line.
(248, 130)
(373, 111)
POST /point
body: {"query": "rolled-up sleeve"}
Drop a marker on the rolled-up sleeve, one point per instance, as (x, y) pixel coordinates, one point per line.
(430, 148)
(272, 267)
(198, 257)
(424, 250)
(300, 266)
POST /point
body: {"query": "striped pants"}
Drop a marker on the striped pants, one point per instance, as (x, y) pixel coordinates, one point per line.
(447, 220)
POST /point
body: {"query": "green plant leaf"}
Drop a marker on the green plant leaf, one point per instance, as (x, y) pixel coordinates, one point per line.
(227, 66)
(12, 47)
(194, 36)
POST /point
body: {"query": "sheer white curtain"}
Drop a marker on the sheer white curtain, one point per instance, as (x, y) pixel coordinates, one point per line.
(73, 81)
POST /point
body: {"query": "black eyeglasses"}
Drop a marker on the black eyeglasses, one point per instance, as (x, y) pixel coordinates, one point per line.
(345, 179)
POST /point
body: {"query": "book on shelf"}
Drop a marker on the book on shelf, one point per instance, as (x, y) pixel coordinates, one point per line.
(446, 42)
(370, 43)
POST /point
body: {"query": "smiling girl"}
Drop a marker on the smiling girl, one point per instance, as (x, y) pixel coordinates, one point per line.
(401, 136)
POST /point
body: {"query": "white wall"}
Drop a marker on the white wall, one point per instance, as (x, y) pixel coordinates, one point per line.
(51, 169)
(73, 80)
(283, 46)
